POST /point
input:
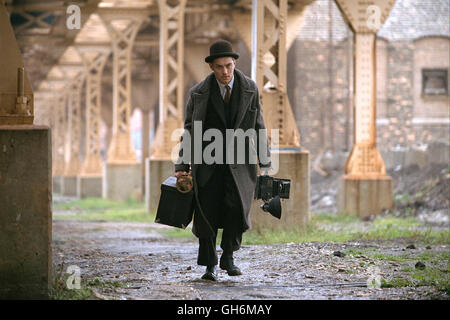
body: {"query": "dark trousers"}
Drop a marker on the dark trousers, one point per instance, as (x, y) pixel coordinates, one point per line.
(221, 203)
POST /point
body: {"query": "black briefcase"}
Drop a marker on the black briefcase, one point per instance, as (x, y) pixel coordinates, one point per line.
(174, 208)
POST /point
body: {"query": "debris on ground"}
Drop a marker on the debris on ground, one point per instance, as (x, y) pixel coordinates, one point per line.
(119, 256)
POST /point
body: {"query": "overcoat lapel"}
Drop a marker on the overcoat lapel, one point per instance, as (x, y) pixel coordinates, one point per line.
(201, 100)
(201, 105)
(246, 95)
(217, 102)
(235, 101)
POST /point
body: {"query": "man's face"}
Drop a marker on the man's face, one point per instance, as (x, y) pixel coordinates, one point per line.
(223, 68)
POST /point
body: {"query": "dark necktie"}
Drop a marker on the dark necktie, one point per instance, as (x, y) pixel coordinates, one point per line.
(228, 94)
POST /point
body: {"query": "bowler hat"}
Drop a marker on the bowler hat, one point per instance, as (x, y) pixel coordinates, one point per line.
(221, 48)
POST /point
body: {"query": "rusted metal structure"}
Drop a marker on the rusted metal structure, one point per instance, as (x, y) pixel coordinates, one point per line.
(365, 187)
(180, 30)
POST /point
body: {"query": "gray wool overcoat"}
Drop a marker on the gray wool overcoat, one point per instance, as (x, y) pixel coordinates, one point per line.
(248, 116)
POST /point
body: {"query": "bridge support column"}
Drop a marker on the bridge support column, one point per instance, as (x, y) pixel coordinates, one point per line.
(25, 181)
(269, 58)
(122, 172)
(365, 189)
(73, 139)
(171, 92)
(89, 181)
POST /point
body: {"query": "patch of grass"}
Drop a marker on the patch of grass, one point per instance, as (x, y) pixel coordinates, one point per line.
(270, 236)
(359, 252)
(65, 294)
(430, 276)
(433, 257)
(328, 218)
(59, 290)
(102, 283)
(404, 197)
(95, 204)
(369, 253)
(390, 257)
(429, 257)
(325, 227)
(389, 222)
(407, 269)
(178, 233)
(94, 209)
(400, 282)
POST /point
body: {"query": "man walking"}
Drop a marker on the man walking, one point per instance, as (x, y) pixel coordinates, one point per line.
(225, 99)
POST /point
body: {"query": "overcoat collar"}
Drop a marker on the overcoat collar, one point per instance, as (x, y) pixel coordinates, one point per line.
(202, 95)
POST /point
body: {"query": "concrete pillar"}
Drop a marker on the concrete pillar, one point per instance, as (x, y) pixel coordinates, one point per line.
(25, 181)
(269, 61)
(122, 173)
(73, 139)
(365, 189)
(89, 181)
(26, 217)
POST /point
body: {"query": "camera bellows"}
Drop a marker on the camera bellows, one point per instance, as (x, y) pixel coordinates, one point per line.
(271, 190)
(273, 207)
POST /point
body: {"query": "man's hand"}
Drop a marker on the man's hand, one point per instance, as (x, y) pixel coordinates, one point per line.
(179, 173)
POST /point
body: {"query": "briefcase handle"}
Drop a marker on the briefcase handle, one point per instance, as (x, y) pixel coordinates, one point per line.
(184, 183)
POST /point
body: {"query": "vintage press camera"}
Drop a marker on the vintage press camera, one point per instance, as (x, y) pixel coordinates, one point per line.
(271, 190)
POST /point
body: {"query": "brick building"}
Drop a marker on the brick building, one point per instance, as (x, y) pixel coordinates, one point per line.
(412, 79)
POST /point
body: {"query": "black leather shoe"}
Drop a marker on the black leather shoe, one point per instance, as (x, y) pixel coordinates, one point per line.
(227, 263)
(211, 273)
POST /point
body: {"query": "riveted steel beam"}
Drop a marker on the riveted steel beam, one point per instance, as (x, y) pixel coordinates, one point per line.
(94, 62)
(365, 18)
(269, 58)
(122, 30)
(73, 134)
(171, 76)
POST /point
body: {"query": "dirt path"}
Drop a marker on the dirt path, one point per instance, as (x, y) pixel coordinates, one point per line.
(134, 261)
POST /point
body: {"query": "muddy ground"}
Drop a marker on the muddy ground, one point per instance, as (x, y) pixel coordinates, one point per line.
(135, 261)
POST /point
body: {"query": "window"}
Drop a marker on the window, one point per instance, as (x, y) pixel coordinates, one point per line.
(434, 82)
